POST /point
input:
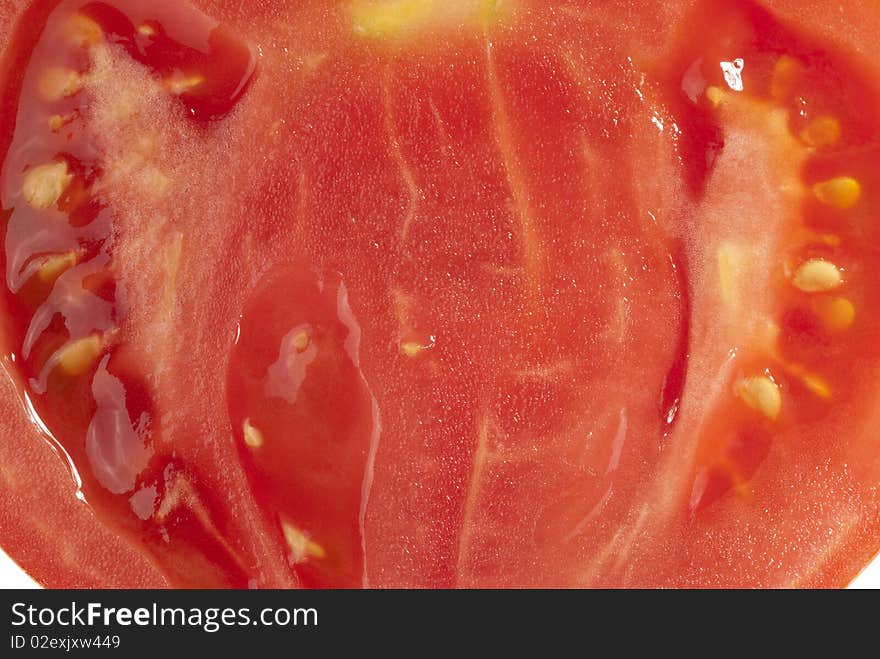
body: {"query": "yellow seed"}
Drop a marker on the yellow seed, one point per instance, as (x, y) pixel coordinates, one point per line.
(731, 259)
(410, 348)
(787, 73)
(830, 239)
(57, 122)
(817, 276)
(740, 482)
(57, 83)
(816, 385)
(841, 192)
(822, 132)
(147, 30)
(762, 394)
(301, 341)
(83, 31)
(44, 184)
(252, 436)
(714, 95)
(836, 313)
(78, 355)
(56, 265)
(302, 547)
(181, 84)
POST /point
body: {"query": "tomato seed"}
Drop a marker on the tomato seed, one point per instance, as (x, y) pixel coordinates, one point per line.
(836, 313)
(761, 394)
(77, 356)
(817, 276)
(302, 547)
(59, 82)
(252, 436)
(822, 132)
(44, 184)
(83, 31)
(842, 192)
(54, 266)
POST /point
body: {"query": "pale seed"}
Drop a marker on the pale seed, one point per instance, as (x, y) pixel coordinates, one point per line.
(78, 356)
(817, 276)
(56, 265)
(44, 184)
(302, 547)
(761, 394)
(57, 83)
(83, 31)
(787, 73)
(252, 436)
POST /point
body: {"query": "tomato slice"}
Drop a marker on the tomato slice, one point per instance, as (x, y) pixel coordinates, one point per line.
(383, 293)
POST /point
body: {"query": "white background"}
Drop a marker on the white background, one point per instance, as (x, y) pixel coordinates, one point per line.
(11, 576)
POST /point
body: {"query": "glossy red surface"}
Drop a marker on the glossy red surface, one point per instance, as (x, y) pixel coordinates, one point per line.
(354, 294)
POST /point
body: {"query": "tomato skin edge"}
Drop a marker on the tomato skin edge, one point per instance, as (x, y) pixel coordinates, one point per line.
(50, 533)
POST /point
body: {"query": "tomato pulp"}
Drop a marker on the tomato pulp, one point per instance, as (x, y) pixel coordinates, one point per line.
(439, 294)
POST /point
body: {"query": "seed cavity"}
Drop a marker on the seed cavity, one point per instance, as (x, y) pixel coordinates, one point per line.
(58, 82)
(817, 276)
(252, 436)
(302, 547)
(761, 394)
(842, 192)
(44, 184)
(822, 132)
(836, 313)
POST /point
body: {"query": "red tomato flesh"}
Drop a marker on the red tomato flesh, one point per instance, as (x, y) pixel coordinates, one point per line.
(386, 293)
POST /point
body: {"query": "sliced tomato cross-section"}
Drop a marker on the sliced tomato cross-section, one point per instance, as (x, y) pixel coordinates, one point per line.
(396, 293)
